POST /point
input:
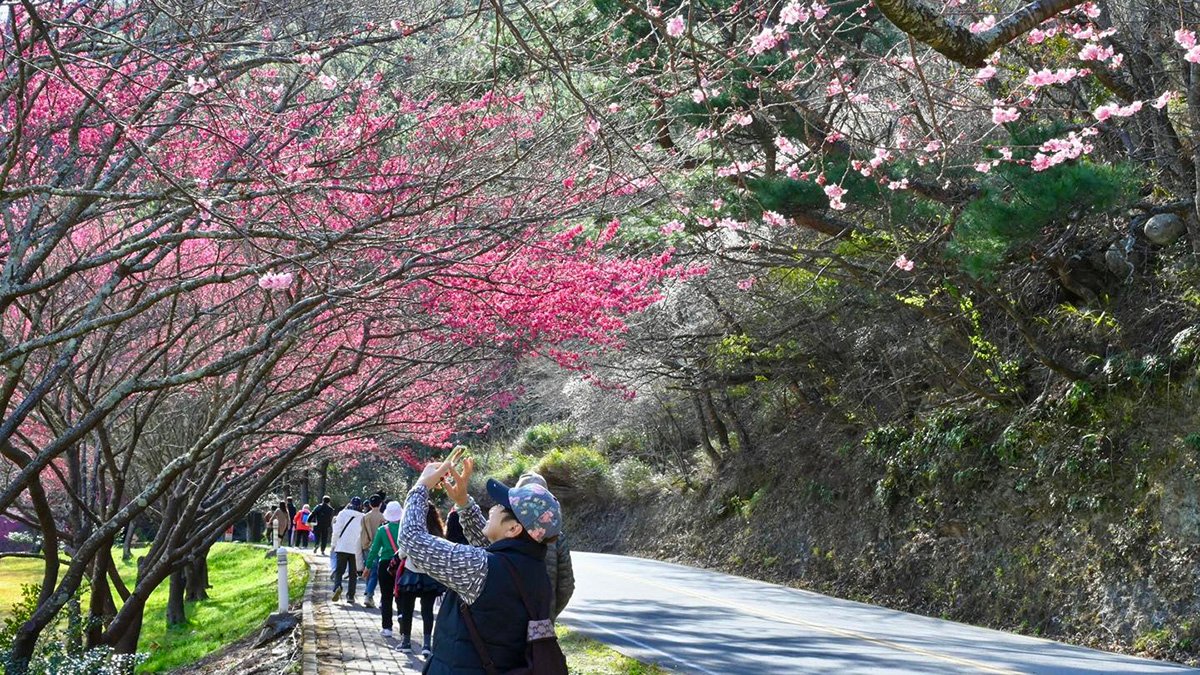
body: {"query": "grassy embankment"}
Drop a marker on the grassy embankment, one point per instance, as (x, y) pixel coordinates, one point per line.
(243, 593)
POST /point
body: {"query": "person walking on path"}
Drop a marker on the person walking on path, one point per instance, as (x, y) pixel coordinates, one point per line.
(292, 510)
(281, 521)
(301, 528)
(347, 531)
(385, 547)
(415, 584)
(558, 557)
(489, 586)
(321, 519)
(372, 521)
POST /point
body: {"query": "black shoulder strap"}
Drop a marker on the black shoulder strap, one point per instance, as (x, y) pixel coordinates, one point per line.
(489, 666)
(344, 527)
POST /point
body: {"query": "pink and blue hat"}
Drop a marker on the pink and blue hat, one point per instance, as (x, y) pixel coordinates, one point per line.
(537, 510)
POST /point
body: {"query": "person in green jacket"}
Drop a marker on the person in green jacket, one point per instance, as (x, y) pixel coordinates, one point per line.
(384, 546)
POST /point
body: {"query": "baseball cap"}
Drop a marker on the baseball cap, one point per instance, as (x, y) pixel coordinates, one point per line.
(536, 508)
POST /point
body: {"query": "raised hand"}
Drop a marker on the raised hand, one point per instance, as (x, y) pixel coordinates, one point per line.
(456, 486)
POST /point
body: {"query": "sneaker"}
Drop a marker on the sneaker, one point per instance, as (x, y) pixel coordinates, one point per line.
(405, 644)
(386, 632)
(337, 594)
(350, 600)
(369, 602)
(426, 651)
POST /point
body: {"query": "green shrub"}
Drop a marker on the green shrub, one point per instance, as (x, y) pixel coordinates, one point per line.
(576, 472)
(511, 470)
(539, 438)
(635, 480)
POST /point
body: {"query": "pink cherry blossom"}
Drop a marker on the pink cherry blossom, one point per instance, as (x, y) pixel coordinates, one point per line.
(786, 146)
(1162, 101)
(1185, 38)
(1095, 52)
(773, 218)
(985, 24)
(275, 281)
(983, 167)
(984, 74)
(746, 284)
(819, 10)
(327, 82)
(1036, 36)
(793, 13)
(742, 119)
(676, 26)
(834, 192)
(904, 263)
(1002, 115)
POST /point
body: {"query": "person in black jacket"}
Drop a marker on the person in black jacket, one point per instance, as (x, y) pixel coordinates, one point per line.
(484, 613)
(321, 519)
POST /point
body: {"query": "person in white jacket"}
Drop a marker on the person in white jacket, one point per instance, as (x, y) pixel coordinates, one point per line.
(347, 529)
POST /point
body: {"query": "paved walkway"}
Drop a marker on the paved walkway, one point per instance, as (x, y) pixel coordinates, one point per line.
(348, 639)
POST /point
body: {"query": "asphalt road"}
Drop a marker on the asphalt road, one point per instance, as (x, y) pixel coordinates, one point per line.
(695, 621)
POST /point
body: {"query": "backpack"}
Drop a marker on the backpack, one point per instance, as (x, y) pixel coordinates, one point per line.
(543, 656)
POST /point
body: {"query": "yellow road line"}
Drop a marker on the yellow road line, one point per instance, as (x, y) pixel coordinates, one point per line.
(820, 627)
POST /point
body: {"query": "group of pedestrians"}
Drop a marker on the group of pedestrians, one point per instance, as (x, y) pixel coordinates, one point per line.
(502, 577)
(297, 527)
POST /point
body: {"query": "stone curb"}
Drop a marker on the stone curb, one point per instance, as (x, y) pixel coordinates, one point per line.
(308, 624)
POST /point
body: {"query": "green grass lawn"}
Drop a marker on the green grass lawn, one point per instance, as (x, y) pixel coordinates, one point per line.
(13, 573)
(585, 655)
(243, 593)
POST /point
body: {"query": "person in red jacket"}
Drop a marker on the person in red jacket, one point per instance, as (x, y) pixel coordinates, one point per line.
(301, 528)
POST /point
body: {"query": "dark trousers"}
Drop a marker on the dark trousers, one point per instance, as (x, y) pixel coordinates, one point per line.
(346, 563)
(407, 602)
(300, 539)
(322, 538)
(387, 600)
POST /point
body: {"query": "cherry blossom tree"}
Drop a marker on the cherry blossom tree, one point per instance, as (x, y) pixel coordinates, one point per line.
(234, 241)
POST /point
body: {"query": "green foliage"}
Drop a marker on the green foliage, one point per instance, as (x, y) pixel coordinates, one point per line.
(785, 195)
(635, 480)
(942, 455)
(1192, 441)
(576, 472)
(60, 649)
(539, 438)
(1016, 203)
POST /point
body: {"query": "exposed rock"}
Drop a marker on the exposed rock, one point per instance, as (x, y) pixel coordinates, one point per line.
(1164, 229)
(277, 625)
(1117, 262)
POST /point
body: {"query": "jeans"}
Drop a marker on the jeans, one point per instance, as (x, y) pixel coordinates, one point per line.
(372, 581)
(346, 563)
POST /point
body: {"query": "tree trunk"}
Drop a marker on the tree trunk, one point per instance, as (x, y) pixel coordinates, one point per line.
(743, 435)
(305, 487)
(197, 577)
(101, 607)
(321, 479)
(125, 630)
(718, 425)
(175, 608)
(705, 441)
(127, 548)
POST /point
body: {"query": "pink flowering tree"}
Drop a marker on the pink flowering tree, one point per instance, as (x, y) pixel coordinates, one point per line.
(974, 167)
(233, 242)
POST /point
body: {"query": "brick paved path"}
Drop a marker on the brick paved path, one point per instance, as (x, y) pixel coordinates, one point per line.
(348, 639)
